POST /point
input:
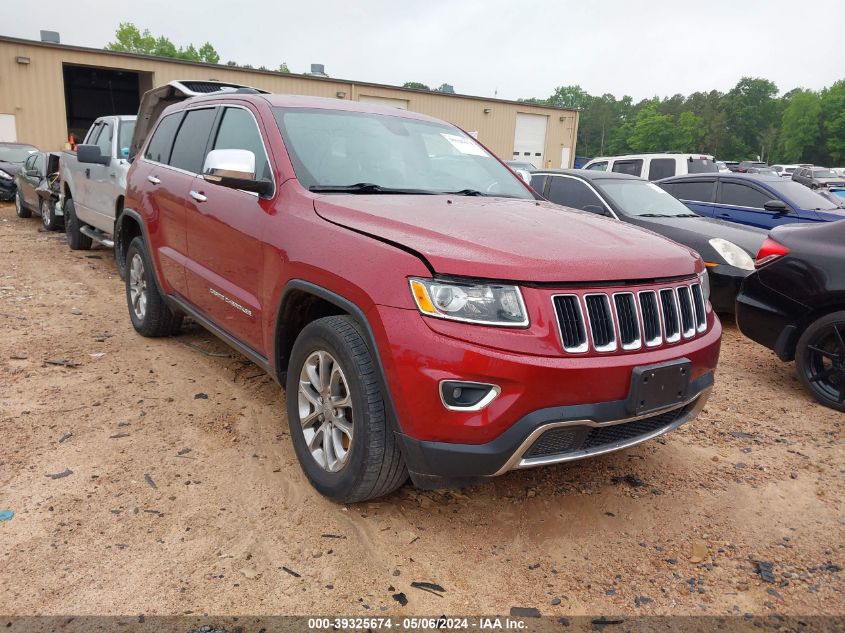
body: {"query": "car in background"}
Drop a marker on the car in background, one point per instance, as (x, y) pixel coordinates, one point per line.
(786, 171)
(835, 194)
(756, 200)
(839, 170)
(732, 165)
(794, 304)
(727, 248)
(12, 158)
(766, 171)
(723, 167)
(818, 177)
(655, 166)
(38, 188)
(745, 165)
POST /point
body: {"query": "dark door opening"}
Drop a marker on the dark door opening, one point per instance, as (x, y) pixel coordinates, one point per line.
(92, 92)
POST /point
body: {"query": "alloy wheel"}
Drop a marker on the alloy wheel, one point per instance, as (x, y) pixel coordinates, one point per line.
(825, 369)
(325, 410)
(138, 286)
(46, 220)
(18, 204)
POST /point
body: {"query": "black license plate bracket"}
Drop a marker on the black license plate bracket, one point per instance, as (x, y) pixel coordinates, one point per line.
(659, 386)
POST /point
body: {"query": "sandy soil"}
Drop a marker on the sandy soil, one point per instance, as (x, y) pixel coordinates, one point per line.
(186, 503)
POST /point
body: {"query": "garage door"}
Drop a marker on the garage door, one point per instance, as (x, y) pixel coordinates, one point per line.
(402, 104)
(529, 141)
(8, 132)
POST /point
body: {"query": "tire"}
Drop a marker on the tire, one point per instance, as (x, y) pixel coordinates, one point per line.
(20, 207)
(368, 462)
(75, 238)
(150, 315)
(820, 360)
(48, 214)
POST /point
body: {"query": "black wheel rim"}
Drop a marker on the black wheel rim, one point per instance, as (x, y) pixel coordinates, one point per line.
(825, 368)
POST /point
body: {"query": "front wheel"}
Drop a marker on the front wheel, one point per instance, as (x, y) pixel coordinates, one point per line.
(337, 417)
(150, 315)
(20, 207)
(76, 239)
(48, 214)
(820, 360)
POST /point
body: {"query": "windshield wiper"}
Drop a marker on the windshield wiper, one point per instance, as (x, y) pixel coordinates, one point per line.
(365, 188)
(685, 215)
(465, 192)
(654, 215)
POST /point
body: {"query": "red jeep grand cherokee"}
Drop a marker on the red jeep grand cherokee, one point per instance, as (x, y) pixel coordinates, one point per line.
(427, 313)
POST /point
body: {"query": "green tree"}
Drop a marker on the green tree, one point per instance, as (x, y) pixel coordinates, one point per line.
(751, 110)
(569, 97)
(652, 131)
(800, 126)
(415, 85)
(689, 132)
(833, 115)
(283, 68)
(129, 39)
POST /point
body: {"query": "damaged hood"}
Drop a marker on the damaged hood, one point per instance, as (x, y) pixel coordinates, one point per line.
(507, 239)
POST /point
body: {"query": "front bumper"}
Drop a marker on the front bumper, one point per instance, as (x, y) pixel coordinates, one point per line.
(551, 436)
(7, 189)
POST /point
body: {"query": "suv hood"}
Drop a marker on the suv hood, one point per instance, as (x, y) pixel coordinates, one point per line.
(506, 239)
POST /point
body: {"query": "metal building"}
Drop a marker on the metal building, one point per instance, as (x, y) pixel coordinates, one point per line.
(49, 91)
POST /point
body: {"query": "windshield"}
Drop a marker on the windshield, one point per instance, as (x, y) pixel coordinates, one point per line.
(801, 196)
(127, 128)
(824, 173)
(16, 154)
(337, 149)
(639, 198)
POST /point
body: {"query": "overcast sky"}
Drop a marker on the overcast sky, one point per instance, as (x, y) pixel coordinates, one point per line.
(512, 48)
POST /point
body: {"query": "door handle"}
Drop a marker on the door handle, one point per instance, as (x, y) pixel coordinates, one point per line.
(197, 196)
(724, 215)
(153, 179)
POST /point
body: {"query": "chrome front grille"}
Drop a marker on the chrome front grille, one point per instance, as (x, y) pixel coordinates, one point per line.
(606, 322)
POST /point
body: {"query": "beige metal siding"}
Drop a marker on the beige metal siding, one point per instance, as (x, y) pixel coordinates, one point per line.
(34, 93)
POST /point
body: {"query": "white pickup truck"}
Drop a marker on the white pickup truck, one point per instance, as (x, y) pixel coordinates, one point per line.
(93, 182)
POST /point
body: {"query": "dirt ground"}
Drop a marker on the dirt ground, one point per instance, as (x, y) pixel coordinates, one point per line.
(181, 493)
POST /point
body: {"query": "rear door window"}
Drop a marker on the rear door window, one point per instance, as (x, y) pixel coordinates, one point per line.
(161, 143)
(632, 167)
(692, 191)
(191, 140)
(661, 168)
(737, 194)
(573, 193)
(238, 130)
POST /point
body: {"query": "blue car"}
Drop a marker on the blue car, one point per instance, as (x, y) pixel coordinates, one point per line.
(752, 199)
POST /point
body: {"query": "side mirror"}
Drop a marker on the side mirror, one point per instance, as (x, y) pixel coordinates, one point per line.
(234, 168)
(91, 154)
(524, 175)
(778, 206)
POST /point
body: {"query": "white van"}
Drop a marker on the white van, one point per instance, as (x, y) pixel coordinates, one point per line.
(655, 166)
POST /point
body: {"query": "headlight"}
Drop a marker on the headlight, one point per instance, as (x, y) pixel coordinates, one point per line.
(704, 280)
(487, 304)
(732, 254)
(5, 175)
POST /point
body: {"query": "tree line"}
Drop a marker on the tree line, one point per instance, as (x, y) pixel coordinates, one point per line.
(748, 121)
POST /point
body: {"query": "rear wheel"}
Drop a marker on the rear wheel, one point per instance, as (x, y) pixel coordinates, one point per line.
(48, 214)
(820, 360)
(75, 238)
(337, 417)
(20, 207)
(150, 315)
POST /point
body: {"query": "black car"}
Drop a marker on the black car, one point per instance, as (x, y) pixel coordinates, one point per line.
(12, 158)
(794, 304)
(38, 188)
(727, 248)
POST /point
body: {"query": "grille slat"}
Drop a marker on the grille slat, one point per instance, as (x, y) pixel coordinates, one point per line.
(687, 313)
(698, 302)
(629, 325)
(651, 318)
(571, 321)
(601, 322)
(671, 326)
